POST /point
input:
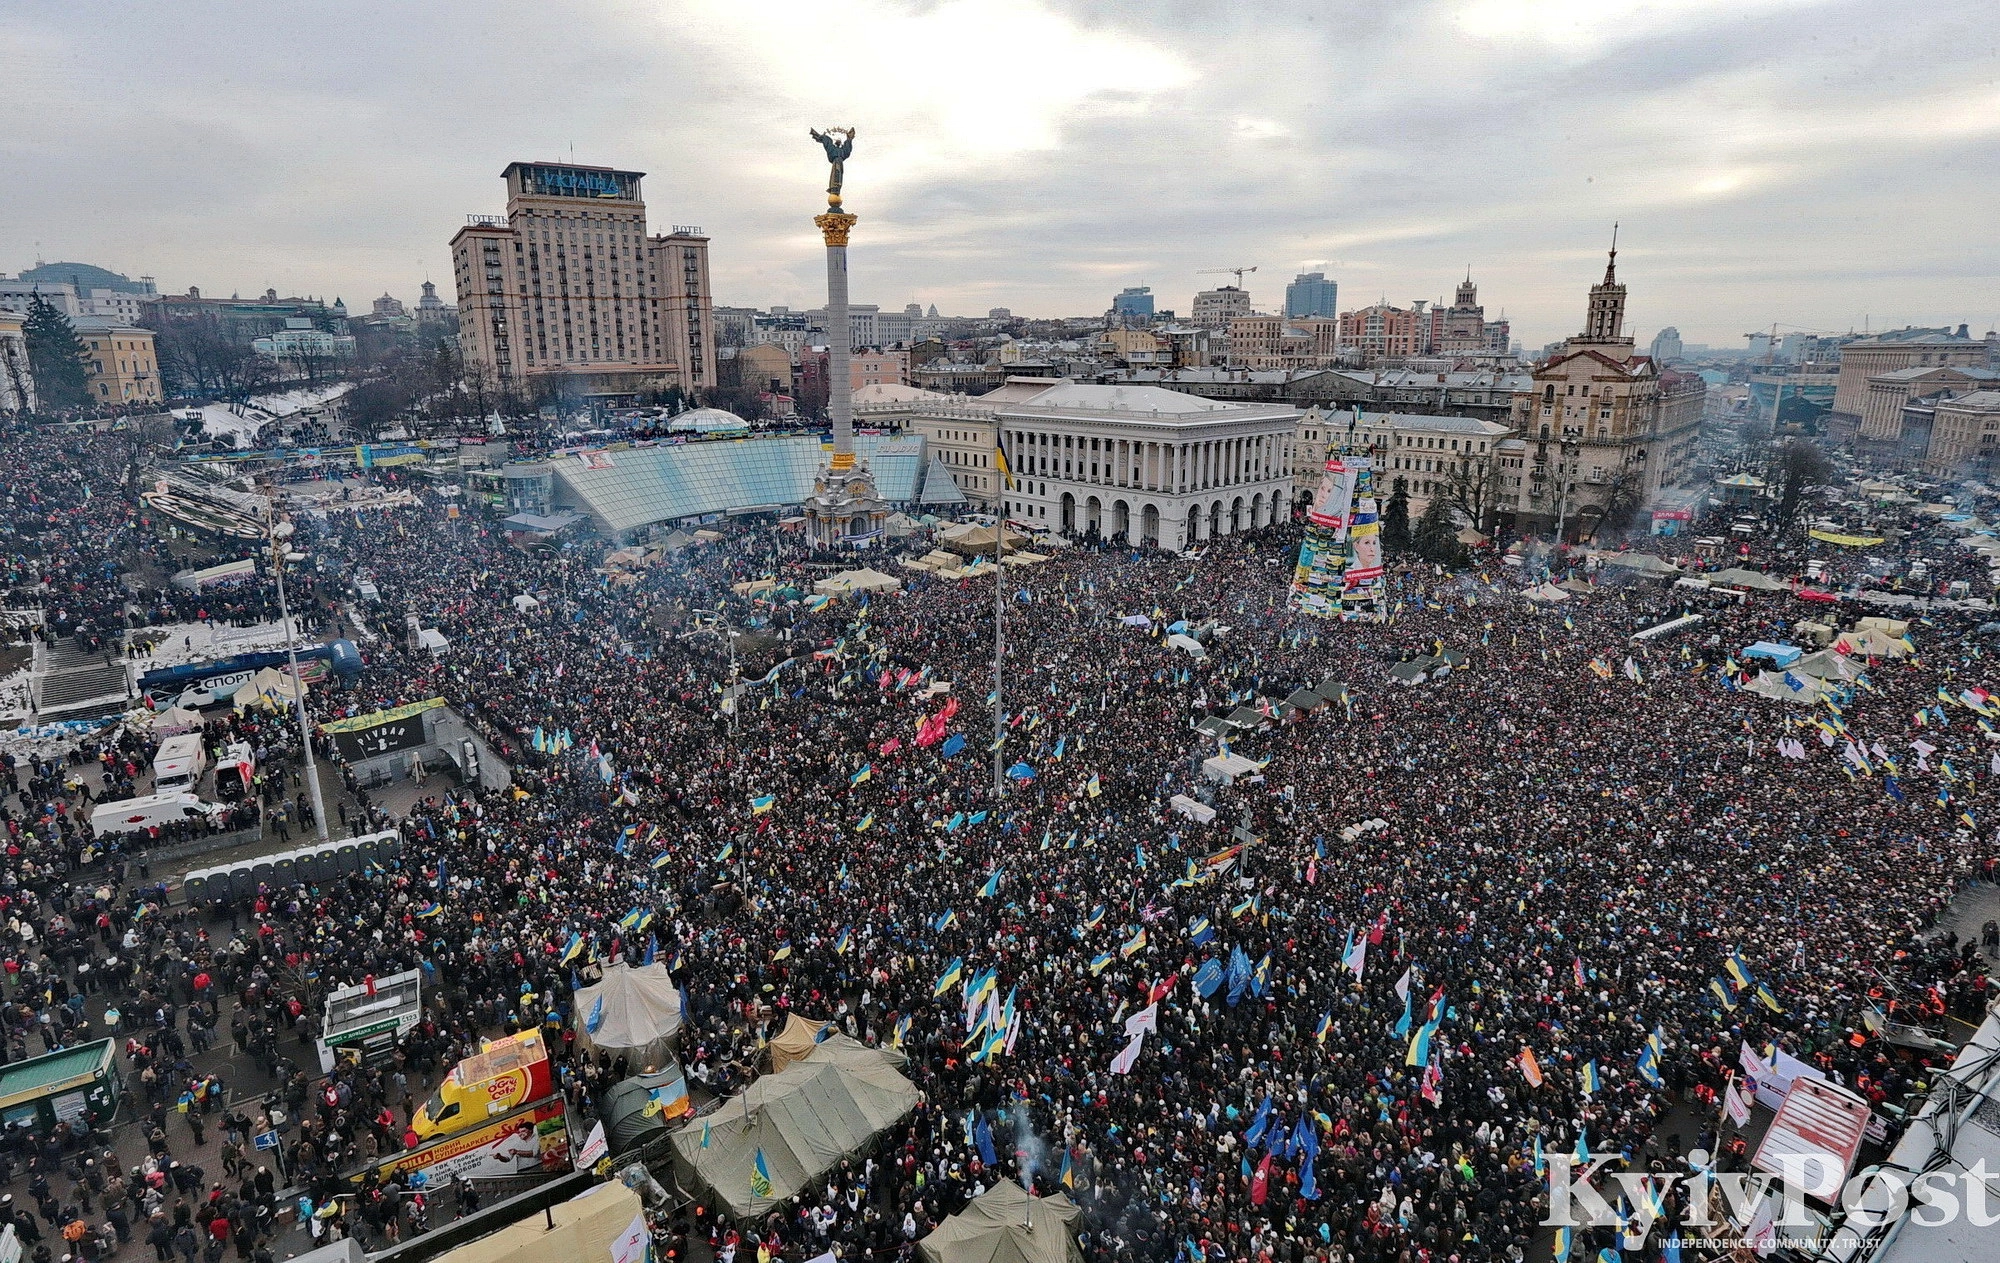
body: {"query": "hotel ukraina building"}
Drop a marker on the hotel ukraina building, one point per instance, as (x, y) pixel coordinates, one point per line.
(568, 281)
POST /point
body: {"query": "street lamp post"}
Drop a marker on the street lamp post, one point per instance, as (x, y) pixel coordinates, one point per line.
(280, 554)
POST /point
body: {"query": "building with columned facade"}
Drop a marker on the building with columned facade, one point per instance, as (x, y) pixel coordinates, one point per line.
(1143, 465)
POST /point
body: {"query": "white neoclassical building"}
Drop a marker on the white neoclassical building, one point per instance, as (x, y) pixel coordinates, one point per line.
(1146, 465)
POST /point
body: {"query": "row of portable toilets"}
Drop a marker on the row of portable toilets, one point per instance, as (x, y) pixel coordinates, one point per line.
(240, 880)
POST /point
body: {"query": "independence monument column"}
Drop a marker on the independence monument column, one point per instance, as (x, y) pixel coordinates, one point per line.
(843, 504)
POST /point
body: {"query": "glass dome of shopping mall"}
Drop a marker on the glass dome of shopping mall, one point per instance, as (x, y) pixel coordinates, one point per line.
(627, 488)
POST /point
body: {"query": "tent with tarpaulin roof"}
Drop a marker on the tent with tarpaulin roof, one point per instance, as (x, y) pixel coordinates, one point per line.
(634, 1013)
(1006, 1224)
(801, 1121)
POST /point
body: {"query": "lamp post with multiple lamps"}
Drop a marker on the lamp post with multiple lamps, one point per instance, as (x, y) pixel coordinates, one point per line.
(279, 536)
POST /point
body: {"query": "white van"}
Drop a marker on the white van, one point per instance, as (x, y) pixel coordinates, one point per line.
(136, 815)
(179, 764)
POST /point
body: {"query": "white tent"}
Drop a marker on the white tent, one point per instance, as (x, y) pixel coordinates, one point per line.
(1188, 643)
(175, 720)
(639, 1017)
(1547, 593)
(1788, 686)
(523, 602)
(1872, 644)
(1227, 767)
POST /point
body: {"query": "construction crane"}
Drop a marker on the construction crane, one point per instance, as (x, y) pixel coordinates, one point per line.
(1236, 272)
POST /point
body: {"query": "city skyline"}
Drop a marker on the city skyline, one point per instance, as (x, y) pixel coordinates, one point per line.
(1760, 159)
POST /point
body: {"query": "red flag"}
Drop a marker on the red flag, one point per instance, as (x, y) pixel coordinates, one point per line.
(369, 982)
(1260, 1183)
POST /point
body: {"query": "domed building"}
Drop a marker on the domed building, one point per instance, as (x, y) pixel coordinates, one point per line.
(708, 421)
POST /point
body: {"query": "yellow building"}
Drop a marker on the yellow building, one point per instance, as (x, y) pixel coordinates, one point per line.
(119, 361)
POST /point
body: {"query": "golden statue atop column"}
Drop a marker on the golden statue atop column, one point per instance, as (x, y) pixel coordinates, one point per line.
(844, 509)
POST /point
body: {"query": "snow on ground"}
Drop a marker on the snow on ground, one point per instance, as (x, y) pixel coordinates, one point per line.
(220, 418)
(14, 693)
(175, 643)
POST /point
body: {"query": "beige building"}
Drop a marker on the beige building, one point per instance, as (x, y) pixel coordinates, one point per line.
(1135, 348)
(1887, 393)
(569, 282)
(1427, 454)
(765, 366)
(1902, 348)
(1965, 437)
(1601, 423)
(1215, 308)
(119, 361)
(1275, 342)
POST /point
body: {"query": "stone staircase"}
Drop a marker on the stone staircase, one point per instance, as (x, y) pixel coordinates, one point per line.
(72, 683)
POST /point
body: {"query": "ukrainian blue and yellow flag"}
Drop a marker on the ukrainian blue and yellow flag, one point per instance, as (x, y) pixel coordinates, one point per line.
(945, 922)
(866, 822)
(950, 978)
(867, 770)
(1098, 963)
(1590, 1081)
(1135, 944)
(845, 941)
(1096, 918)
(760, 1177)
(762, 804)
(573, 948)
(992, 886)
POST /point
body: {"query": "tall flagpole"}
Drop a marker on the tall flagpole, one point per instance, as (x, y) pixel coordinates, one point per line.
(999, 630)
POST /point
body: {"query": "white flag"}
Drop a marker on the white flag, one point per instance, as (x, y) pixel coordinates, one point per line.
(1736, 1103)
(1125, 1060)
(1357, 956)
(1403, 983)
(1146, 1019)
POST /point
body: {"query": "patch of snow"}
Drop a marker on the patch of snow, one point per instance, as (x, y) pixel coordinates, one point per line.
(218, 419)
(176, 643)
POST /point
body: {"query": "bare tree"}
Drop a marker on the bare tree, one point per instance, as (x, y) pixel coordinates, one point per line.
(1797, 465)
(1466, 491)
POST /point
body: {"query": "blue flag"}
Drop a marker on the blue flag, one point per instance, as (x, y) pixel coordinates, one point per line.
(952, 745)
(1258, 1124)
(1239, 974)
(982, 1135)
(596, 1018)
(1208, 977)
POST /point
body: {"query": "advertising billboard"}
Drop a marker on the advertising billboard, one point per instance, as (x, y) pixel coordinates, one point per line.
(530, 1141)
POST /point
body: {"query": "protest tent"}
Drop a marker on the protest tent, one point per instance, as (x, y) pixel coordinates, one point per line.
(640, 1017)
(862, 580)
(1577, 587)
(1827, 665)
(1302, 699)
(269, 687)
(1872, 644)
(588, 1226)
(1776, 653)
(1227, 767)
(803, 1119)
(1006, 1224)
(973, 540)
(1788, 686)
(1642, 563)
(1749, 580)
(175, 720)
(796, 1042)
(1189, 643)
(1546, 593)
(1215, 726)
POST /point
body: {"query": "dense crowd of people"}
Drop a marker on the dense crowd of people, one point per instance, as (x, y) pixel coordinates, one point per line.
(1601, 876)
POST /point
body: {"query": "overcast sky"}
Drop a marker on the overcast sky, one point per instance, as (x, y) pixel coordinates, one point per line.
(1818, 163)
